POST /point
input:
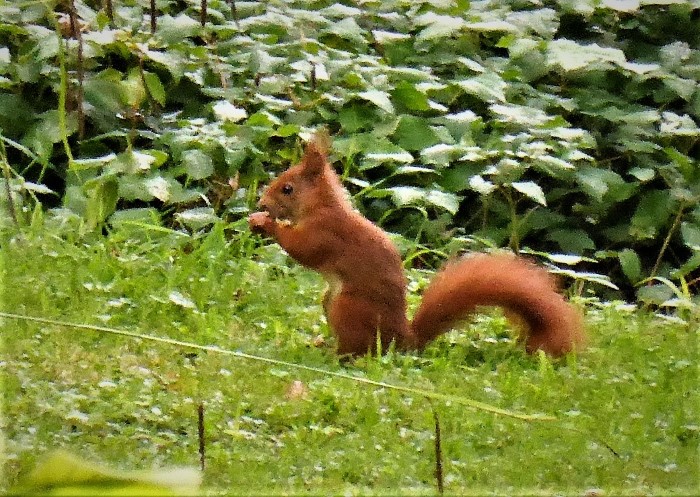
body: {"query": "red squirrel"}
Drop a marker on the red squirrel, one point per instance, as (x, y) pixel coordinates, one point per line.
(307, 212)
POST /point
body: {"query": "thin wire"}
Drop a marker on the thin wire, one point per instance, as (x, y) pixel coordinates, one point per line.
(474, 404)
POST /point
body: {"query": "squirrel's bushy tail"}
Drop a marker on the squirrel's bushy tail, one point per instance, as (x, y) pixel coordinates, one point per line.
(521, 288)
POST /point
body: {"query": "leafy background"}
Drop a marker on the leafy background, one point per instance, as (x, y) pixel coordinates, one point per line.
(554, 128)
(558, 127)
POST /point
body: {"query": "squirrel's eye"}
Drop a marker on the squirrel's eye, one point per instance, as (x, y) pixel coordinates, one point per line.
(287, 189)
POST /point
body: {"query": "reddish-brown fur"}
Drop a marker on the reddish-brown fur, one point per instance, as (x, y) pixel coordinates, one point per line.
(307, 212)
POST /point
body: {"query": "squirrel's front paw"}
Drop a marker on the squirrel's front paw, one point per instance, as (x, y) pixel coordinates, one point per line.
(258, 222)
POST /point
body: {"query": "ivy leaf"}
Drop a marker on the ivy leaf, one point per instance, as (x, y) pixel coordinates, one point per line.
(571, 56)
(348, 29)
(414, 133)
(198, 217)
(488, 26)
(159, 187)
(489, 87)
(197, 164)
(544, 22)
(409, 97)
(531, 190)
(173, 61)
(174, 29)
(338, 10)
(378, 98)
(36, 188)
(597, 183)
(102, 196)
(480, 185)
(441, 154)
(447, 201)
(652, 213)
(621, 5)
(180, 300)
(226, 111)
(691, 235)
(155, 87)
(631, 265)
(405, 195)
(387, 37)
(438, 26)
(673, 124)
(356, 116)
(520, 114)
(571, 240)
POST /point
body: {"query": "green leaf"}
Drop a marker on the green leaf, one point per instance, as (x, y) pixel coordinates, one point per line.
(36, 187)
(133, 90)
(597, 183)
(173, 61)
(655, 294)
(520, 114)
(437, 26)
(631, 265)
(287, 130)
(356, 116)
(531, 190)
(348, 29)
(102, 196)
(414, 133)
(691, 235)
(406, 95)
(406, 195)
(571, 56)
(378, 98)
(652, 214)
(572, 240)
(61, 473)
(480, 185)
(174, 29)
(159, 187)
(146, 215)
(489, 87)
(197, 164)
(155, 87)
(448, 201)
(621, 5)
(198, 217)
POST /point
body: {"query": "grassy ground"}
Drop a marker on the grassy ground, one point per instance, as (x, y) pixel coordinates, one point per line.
(626, 409)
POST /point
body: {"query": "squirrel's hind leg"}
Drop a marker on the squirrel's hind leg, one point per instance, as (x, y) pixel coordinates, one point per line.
(356, 323)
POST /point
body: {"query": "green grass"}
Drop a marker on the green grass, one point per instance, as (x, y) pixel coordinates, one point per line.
(626, 409)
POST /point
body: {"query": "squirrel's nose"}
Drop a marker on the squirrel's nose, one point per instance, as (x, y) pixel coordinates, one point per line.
(262, 206)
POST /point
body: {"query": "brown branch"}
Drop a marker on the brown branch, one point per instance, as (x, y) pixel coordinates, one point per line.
(154, 19)
(80, 69)
(200, 431)
(439, 477)
(234, 11)
(203, 13)
(109, 9)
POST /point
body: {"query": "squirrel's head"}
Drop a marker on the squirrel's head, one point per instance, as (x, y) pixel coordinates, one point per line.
(302, 187)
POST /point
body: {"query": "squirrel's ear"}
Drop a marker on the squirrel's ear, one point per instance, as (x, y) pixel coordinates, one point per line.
(315, 154)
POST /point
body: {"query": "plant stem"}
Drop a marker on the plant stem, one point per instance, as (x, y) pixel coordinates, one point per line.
(667, 241)
(8, 191)
(62, 91)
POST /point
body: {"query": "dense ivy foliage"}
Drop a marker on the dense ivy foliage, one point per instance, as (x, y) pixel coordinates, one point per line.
(556, 125)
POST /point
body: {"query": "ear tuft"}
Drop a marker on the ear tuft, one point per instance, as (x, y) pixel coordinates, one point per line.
(316, 152)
